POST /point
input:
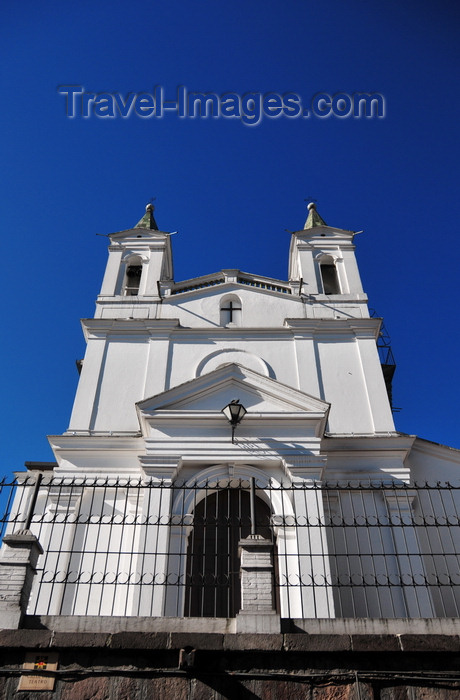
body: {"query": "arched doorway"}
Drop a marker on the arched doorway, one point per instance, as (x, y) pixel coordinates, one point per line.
(220, 520)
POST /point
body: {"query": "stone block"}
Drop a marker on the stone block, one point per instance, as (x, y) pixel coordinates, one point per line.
(80, 639)
(343, 692)
(26, 639)
(258, 642)
(317, 642)
(258, 621)
(281, 690)
(22, 548)
(138, 640)
(10, 616)
(397, 692)
(124, 688)
(166, 688)
(375, 642)
(430, 642)
(86, 689)
(200, 640)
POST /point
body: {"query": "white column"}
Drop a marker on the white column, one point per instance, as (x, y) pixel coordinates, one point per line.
(154, 267)
(55, 594)
(379, 404)
(156, 378)
(410, 569)
(307, 366)
(110, 282)
(303, 557)
(307, 268)
(351, 270)
(163, 541)
(88, 386)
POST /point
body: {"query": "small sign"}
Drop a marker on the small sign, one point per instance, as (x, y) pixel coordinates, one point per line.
(43, 664)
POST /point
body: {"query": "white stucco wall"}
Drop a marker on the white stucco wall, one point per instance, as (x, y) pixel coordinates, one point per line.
(114, 370)
(344, 386)
(340, 369)
(260, 308)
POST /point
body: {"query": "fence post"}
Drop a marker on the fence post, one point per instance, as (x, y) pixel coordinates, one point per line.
(18, 558)
(257, 612)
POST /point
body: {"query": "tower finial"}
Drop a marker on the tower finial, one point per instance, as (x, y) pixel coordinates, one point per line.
(148, 220)
(313, 219)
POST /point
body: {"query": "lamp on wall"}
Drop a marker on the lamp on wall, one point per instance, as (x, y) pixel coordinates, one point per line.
(234, 413)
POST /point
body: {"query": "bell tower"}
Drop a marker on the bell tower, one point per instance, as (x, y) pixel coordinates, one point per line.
(323, 267)
(140, 262)
(312, 332)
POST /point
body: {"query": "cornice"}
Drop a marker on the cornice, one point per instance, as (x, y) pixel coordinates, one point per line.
(364, 445)
(127, 326)
(332, 327)
(435, 449)
(81, 442)
(360, 327)
(315, 324)
(137, 234)
(323, 236)
(213, 419)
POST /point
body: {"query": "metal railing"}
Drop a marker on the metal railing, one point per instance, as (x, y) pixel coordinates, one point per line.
(263, 283)
(181, 287)
(152, 548)
(242, 278)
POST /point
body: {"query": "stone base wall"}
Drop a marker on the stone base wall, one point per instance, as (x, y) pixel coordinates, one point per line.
(199, 666)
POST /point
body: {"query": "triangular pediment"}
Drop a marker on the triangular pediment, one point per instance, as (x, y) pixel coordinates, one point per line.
(259, 394)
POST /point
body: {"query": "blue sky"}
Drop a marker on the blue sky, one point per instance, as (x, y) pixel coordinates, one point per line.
(230, 189)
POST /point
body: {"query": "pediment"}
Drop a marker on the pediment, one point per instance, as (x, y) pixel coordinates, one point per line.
(214, 390)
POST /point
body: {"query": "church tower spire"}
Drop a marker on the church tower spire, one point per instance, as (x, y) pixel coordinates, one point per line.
(322, 265)
(148, 220)
(313, 218)
(139, 264)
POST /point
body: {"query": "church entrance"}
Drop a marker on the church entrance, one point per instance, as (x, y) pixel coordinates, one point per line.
(213, 564)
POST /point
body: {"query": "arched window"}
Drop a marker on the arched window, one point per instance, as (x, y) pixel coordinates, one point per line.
(220, 520)
(132, 277)
(230, 310)
(329, 275)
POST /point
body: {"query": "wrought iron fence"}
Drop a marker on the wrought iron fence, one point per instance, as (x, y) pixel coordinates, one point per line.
(152, 548)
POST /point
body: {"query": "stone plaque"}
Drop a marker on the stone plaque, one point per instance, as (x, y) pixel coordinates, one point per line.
(43, 663)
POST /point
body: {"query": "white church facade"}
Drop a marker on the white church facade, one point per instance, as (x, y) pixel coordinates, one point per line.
(154, 507)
